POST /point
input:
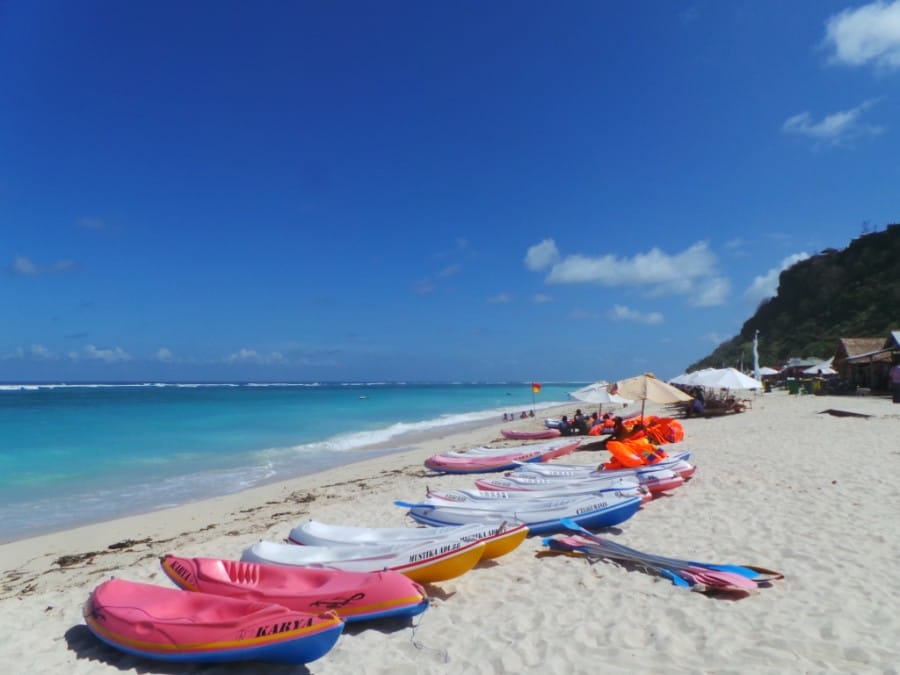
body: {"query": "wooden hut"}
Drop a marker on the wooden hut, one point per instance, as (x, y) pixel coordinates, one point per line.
(863, 362)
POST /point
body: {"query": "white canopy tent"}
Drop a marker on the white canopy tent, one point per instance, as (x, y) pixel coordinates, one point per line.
(727, 378)
(823, 368)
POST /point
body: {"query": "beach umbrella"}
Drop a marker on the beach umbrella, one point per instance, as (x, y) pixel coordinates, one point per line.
(647, 387)
(765, 370)
(598, 393)
(727, 378)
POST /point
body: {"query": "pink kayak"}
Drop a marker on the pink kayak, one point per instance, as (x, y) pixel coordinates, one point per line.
(172, 625)
(530, 435)
(354, 596)
(481, 460)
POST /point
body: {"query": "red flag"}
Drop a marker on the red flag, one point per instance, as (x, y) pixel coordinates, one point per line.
(535, 388)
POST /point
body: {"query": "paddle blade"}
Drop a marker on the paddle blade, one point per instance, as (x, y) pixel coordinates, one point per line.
(411, 505)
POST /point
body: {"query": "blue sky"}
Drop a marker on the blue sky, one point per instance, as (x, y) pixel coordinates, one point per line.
(422, 190)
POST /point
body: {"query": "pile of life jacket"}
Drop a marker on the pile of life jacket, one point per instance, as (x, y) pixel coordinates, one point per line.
(641, 446)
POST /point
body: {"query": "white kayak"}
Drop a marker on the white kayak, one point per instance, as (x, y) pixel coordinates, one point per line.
(550, 492)
(680, 463)
(655, 480)
(541, 515)
(423, 561)
(499, 536)
(536, 481)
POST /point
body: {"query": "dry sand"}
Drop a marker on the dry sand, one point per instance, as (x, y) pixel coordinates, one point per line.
(781, 485)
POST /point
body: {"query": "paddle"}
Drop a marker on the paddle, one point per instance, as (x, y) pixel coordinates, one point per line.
(625, 553)
(411, 505)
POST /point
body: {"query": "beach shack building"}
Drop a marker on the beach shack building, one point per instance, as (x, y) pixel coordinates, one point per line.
(865, 362)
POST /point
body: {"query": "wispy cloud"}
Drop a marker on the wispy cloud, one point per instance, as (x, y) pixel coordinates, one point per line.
(692, 272)
(499, 299)
(423, 287)
(866, 34)
(252, 356)
(450, 270)
(25, 267)
(622, 313)
(105, 354)
(833, 129)
(91, 223)
(711, 293)
(542, 298)
(543, 255)
(766, 285)
(30, 353)
(164, 355)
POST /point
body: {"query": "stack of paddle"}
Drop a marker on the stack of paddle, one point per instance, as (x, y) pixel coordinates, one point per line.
(698, 576)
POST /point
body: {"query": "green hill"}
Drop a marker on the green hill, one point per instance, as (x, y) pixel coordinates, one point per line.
(854, 292)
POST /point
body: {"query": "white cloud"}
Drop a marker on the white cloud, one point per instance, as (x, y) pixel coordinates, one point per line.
(541, 298)
(870, 33)
(645, 269)
(541, 255)
(622, 313)
(499, 299)
(834, 128)
(23, 266)
(114, 355)
(164, 354)
(766, 285)
(711, 292)
(690, 272)
(40, 352)
(33, 352)
(450, 270)
(252, 356)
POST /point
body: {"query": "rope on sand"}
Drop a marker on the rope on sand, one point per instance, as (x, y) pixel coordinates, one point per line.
(440, 651)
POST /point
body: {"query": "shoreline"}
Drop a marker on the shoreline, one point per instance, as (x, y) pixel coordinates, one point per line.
(772, 489)
(356, 446)
(385, 459)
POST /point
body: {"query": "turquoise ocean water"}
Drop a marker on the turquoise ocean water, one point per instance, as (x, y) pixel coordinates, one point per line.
(74, 454)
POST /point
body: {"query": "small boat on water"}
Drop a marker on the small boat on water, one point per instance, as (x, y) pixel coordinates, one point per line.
(425, 561)
(540, 515)
(499, 537)
(354, 596)
(167, 624)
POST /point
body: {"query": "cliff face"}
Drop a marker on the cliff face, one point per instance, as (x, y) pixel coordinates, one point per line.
(854, 292)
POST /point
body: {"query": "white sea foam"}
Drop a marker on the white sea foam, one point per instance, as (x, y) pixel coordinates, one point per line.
(52, 514)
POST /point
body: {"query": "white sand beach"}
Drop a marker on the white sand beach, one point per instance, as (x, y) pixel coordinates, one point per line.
(781, 485)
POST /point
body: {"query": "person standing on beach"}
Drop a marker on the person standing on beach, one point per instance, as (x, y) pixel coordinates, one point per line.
(894, 377)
